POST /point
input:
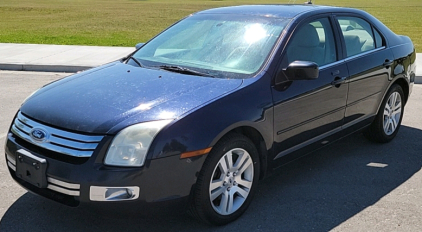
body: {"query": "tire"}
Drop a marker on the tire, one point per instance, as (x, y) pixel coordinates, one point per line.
(388, 120)
(225, 189)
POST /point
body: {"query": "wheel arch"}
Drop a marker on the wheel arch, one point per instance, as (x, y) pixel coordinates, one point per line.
(257, 139)
(404, 85)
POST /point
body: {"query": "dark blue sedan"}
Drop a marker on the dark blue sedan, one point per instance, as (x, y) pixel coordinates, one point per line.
(199, 114)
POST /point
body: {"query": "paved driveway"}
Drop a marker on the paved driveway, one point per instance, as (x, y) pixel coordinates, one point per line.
(352, 185)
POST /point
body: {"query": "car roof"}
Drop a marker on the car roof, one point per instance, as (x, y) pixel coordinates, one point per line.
(279, 11)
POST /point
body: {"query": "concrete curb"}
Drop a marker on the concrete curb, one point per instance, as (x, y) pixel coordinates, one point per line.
(57, 58)
(418, 78)
(43, 68)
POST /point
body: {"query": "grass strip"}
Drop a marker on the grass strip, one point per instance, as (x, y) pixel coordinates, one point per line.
(127, 22)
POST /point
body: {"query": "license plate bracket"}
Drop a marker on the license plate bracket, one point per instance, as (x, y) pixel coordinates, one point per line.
(31, 168)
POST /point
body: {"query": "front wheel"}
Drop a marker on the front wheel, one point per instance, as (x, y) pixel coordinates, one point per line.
(388, 120)
(227, 181)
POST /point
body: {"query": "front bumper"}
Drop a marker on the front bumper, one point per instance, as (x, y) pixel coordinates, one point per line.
(162, 180)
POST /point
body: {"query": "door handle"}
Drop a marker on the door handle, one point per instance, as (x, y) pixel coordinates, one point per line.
(338, 81)
(387, 63)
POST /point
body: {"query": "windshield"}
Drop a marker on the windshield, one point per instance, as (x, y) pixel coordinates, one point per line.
(230, 46)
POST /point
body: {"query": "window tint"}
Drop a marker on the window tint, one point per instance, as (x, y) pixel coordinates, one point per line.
(358, 36)
(312, 41)
(379, 42)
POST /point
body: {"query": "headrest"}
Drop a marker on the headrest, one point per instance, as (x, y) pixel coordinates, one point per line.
(306, 36)
(351, 39)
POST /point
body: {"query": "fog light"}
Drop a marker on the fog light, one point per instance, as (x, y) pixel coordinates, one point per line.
(100, 193)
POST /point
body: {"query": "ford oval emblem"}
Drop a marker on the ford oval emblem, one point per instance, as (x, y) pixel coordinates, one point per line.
(39, 135)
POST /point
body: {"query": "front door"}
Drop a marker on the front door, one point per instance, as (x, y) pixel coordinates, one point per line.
(306, 111)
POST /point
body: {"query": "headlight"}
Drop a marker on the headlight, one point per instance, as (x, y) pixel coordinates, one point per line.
(130, 146)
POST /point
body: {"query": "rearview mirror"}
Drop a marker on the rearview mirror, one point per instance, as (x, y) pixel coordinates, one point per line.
(137, 46)
(302, 70)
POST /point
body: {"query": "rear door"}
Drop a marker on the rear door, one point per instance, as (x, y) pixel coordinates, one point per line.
(368, 61)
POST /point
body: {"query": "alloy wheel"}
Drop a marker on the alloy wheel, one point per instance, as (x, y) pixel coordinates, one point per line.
(231, 181)
(392, 113)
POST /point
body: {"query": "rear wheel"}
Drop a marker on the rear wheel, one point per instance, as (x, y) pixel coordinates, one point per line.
(227, 181)
(388, 120)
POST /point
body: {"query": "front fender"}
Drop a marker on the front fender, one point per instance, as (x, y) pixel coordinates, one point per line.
(250, 105)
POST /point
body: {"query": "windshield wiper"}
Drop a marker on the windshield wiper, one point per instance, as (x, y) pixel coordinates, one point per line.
(183, 70)
(136, 61)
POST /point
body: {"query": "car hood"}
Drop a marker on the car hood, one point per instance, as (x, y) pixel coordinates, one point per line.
(106, 99)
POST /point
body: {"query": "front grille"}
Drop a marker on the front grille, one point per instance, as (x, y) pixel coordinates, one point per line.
(47, 153)
(67, 188)
(56, 140)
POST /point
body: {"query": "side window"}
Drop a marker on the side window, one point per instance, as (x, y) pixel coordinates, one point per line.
(379, 42)
(358, 35)
(313, 41)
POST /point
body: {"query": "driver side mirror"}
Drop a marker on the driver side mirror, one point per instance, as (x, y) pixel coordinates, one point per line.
(301, 70)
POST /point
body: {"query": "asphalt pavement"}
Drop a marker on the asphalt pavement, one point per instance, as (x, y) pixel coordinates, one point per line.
(72, 58)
